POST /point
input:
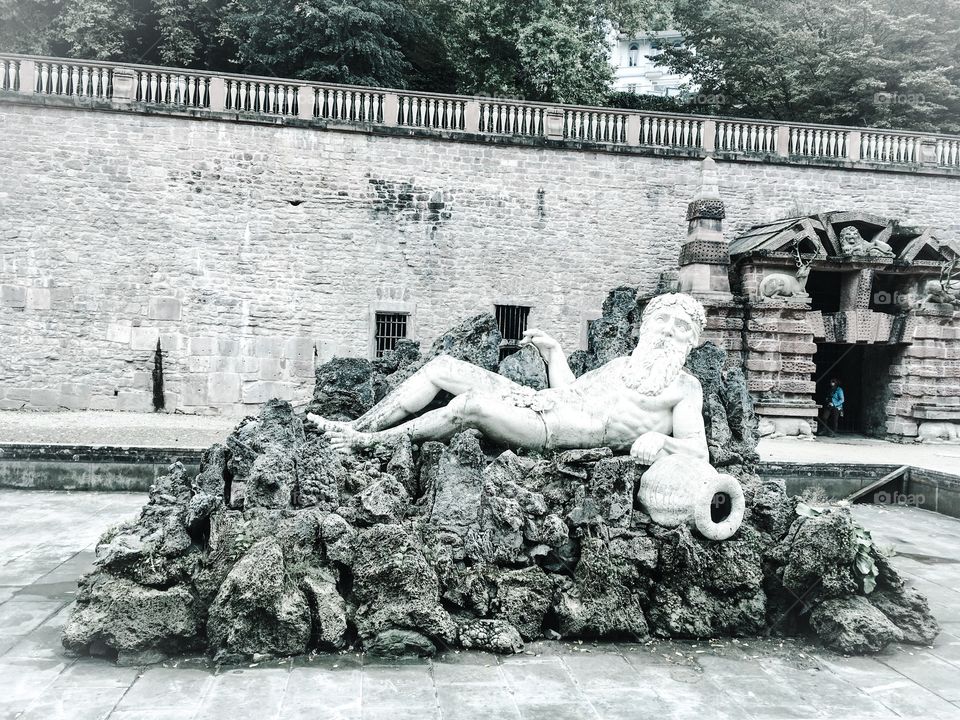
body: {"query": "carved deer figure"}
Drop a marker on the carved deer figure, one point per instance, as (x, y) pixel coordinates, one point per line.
(784, 285)
(946, 290)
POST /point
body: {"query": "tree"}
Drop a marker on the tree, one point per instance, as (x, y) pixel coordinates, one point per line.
(348, 41)
(881, 63)
(548, 50)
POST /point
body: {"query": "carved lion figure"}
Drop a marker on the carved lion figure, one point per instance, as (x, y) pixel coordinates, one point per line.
(852, 243)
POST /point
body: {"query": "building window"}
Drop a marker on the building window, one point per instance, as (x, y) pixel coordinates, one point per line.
(512, 321)
(632, 87)
(633, 55)
(390, 327)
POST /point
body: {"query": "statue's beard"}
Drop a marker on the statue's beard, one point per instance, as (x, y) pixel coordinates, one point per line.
(655, 364)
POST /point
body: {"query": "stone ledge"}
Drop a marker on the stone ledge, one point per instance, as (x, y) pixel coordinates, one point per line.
(70, 103)
(932, 412)
(97, 453)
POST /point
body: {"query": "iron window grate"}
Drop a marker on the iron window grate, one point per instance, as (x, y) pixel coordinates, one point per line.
(512, 322)
(390, 327)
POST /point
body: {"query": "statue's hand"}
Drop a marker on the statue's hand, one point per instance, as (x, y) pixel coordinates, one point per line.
(547, 345)
(646, 447)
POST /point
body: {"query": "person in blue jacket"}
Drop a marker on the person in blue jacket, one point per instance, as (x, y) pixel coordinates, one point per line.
(831, 413)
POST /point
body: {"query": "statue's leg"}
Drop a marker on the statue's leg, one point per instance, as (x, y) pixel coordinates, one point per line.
(417, 391)
(497, 419)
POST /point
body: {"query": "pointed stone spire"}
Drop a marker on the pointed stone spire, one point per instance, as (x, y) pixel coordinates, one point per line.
(705, 255)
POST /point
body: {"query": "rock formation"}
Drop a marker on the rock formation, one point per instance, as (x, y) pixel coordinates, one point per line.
(280, 546)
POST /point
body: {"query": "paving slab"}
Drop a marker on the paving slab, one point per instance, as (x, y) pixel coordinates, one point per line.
(861, 451)
(115, 429)
(749, 678)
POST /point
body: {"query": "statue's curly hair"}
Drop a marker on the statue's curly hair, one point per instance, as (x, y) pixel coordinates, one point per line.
(687, 303)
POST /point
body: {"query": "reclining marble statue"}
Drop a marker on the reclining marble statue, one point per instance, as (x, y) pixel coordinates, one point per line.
(646, 404)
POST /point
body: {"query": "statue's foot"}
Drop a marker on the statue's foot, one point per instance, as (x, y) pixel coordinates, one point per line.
(327, 425)
(346, 440)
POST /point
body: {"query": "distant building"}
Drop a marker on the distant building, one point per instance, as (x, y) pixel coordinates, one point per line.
(634, 68)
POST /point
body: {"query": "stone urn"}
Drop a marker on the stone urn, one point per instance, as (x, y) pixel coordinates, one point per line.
(678, 490)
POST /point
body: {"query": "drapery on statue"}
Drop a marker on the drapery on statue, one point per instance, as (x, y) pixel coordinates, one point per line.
(645, 403)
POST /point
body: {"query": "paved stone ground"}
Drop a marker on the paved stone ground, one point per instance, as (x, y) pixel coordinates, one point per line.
(861, 450)
(47, 539)
(120, 429)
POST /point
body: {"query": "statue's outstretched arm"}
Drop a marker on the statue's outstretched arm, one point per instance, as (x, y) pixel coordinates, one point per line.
(558, 371)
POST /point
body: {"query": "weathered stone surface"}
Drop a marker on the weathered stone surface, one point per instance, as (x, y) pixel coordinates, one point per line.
(819, 554)
(852, 625)
(909, 611)
(213, 468)
(116, 615)
(271, 480)
(525, 367)
(614, 333)
(257, 609)
(395, 587)
(492, 635)
(344, 389)
(327, 608)
(522, 598)
(276, 428)
(396, 642)
(320, 475)
(456, 486)
(612, 486)
(383, 501)
(728, 415)
(606, 597)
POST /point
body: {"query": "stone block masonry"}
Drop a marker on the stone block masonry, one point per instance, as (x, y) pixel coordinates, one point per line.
(254, 252)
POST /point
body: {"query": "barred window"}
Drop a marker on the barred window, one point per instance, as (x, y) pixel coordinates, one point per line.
(512, 321)
(390, 327)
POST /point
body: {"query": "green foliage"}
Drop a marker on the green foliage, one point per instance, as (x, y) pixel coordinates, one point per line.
(547, 50)
(348, 41)
(882, 63)
(865, 569)
(863, 562)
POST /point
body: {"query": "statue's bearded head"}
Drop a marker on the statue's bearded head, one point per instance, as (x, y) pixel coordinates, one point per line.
(670, 329)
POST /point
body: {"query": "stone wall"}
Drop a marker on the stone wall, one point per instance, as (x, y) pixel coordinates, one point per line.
(925, 379)
(254, 251)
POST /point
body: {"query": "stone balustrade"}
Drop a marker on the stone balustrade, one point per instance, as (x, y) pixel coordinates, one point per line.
(275, 99)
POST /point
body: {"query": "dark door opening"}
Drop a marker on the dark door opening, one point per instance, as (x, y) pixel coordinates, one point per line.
(864, 375)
